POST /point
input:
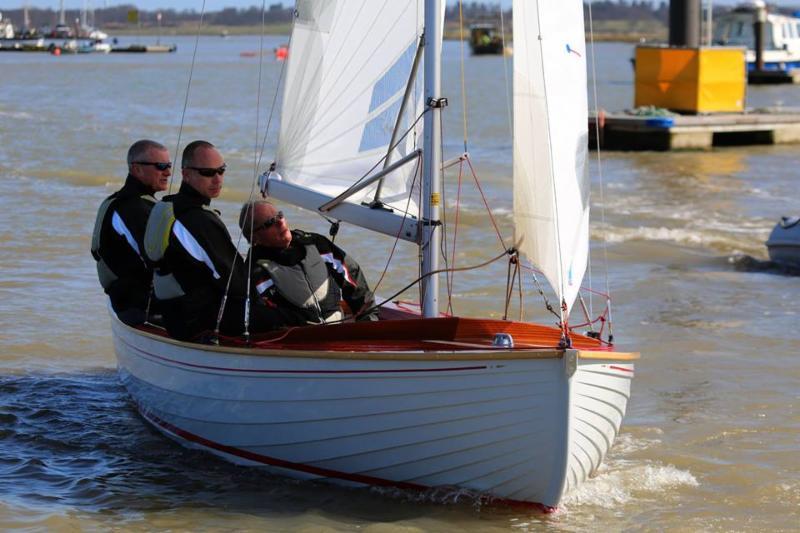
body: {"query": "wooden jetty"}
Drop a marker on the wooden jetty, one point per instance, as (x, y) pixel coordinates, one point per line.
(143, 48)
(51, 46)
(772, 77)
(620, 131)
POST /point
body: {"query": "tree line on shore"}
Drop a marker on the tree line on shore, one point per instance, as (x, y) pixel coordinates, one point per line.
(633, 11)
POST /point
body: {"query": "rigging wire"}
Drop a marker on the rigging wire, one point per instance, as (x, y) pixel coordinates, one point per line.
(431, 273)
(455, 232)
(597, 115)
(274, 96)
(380, 161)
(443, 229)
(463, 83)
(417, 171)
(519, 285)
(509, 94)
(256, 160)
(485, 202)
(186, 98)
(393, 296)
(559, 250)
(177, 147)
(258, 155)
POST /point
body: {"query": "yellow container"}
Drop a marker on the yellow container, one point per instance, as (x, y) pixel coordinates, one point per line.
(691, 80)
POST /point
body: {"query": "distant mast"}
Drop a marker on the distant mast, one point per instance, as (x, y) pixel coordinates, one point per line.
(61, 18)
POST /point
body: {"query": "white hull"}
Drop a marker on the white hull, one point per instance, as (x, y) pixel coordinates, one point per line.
(523, 425)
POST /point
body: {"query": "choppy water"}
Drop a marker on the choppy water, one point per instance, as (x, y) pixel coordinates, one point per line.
(713, 430)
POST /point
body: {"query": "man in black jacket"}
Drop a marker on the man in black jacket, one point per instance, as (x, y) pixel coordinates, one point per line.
(302, 273)
(200, 277)
(118, 237)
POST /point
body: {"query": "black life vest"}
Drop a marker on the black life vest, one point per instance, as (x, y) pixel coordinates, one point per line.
(306, 285)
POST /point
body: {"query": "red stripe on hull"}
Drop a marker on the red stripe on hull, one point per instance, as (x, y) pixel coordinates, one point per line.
(322, 472)
(623, 369)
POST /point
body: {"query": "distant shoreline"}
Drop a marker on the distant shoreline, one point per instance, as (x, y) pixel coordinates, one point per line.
(453, 34)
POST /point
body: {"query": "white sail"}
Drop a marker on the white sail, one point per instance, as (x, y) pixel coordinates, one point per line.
(551, 185)
(348, 69)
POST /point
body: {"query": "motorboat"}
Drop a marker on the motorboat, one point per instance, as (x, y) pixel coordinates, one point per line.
(783, 244)
(781, 35)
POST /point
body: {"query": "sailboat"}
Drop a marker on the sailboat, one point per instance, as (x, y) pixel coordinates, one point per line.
(507, 410)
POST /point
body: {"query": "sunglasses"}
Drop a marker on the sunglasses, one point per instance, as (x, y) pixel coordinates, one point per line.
(159, 166)
(271, 221)
(209, 172)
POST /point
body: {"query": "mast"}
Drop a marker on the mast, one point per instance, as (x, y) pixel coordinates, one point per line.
(61, 18)
(431, 177)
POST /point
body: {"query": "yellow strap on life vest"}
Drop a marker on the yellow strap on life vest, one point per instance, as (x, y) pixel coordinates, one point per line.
(159, 225)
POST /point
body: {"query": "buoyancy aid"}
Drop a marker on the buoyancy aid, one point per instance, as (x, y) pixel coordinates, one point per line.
(306, 285)
(156, 241)
(104, 272)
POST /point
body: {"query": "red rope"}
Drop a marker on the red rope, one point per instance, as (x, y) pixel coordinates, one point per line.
(455, 239)
(483, 197)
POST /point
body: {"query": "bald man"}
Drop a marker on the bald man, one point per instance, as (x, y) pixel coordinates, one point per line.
(300, 272)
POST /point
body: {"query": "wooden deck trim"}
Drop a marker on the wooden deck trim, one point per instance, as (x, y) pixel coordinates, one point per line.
(486, 354)
(617, 356)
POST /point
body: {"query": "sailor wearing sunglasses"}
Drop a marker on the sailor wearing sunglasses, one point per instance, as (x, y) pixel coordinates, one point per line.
(302, 273)
(196, 263)
(117, 240)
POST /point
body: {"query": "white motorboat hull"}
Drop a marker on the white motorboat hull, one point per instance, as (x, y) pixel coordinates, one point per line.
(783, 244)
(521, 425)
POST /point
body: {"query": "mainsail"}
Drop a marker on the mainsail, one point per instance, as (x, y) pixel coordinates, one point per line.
(551, 185)
(348, 69)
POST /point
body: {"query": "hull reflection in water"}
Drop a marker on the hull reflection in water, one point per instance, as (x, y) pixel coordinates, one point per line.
(432, 403)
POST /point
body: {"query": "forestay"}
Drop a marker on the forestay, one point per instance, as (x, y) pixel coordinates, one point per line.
(348, 68)
(551, 186)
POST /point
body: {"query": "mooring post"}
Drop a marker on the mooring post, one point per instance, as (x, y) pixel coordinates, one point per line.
(684, 23)
(758, 32)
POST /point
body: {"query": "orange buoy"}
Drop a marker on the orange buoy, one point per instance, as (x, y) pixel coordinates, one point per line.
(281, 52)
(56, 51)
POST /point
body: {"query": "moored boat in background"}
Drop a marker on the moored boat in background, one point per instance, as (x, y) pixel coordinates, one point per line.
(781, 35)
(783, 244)
(485, 39)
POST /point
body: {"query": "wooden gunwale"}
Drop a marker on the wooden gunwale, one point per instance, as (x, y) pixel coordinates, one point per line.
(439, 339)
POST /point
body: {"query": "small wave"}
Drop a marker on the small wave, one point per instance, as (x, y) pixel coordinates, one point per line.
(622, 481)
(627, 443)
(17, 115)
(746, 263)
(682, 236)
(658, 234)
